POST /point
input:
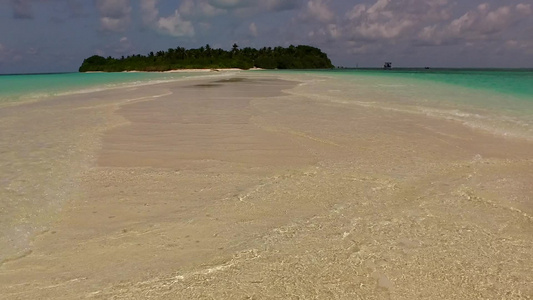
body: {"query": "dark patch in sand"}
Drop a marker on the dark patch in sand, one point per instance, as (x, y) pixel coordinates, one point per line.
(206, 85)
(235, 79)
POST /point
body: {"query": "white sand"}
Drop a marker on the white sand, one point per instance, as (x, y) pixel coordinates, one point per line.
(231, 189)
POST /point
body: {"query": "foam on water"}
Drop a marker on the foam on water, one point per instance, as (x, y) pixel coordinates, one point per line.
(497, 101)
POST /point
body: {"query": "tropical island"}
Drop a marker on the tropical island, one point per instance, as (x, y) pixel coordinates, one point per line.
(292, 57)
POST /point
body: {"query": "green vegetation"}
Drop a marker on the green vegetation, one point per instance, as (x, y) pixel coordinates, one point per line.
(293, 57)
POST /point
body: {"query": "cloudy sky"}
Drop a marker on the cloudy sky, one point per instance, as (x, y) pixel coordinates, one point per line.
(56, 35)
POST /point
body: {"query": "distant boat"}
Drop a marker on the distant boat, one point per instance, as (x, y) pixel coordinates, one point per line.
(427, 68)
(387, 65)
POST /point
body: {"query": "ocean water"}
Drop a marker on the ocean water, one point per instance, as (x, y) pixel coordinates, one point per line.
(33, 87)
(499, 101)
(515, 82)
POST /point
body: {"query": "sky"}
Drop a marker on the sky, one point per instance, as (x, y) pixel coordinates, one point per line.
(56, 35)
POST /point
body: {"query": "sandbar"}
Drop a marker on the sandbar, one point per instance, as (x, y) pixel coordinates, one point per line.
(263, 186)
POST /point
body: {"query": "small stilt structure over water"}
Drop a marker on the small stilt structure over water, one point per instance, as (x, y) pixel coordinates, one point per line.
(387, 65)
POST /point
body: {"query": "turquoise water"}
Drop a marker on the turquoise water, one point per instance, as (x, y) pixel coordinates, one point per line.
(515, 82)
(498, 101)
(16, 88)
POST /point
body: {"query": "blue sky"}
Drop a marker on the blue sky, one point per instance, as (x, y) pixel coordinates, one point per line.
(56, 35)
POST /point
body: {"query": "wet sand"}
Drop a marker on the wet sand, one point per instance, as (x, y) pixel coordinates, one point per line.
(264, 187)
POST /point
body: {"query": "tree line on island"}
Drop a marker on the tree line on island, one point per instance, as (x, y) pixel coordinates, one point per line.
(292, 57)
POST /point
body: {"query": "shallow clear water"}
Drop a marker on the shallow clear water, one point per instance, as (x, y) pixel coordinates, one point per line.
(28, 87)
(498, 101)
(516, 83)
(513, 82)
(44, 146)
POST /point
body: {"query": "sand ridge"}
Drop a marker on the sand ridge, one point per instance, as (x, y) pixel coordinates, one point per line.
(232, 188)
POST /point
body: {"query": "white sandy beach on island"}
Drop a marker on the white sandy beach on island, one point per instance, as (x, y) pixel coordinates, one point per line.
(209, 70)
(270, 186)
(198, 70)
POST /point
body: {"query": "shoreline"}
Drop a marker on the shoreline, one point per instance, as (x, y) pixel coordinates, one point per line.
(272, 185)
(44, 95)
(211, 70)
(185, 70)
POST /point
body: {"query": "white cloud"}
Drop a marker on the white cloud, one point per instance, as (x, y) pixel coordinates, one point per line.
(123, 47)
(174, 25)
(519, 46)
(115, 15)
(388, 20)
(199, 9)
(479, 24)
(253, 29)
(524, 8)
(319, 10)
(334, 31)
(239, 8)
(200, 14)
(149, 11)
(188, 7)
